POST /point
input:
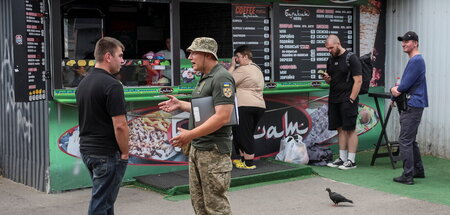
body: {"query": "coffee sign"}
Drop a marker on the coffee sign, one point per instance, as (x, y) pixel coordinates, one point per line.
(251, 27)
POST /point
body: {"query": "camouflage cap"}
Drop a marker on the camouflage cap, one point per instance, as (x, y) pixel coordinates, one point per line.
(204, 44)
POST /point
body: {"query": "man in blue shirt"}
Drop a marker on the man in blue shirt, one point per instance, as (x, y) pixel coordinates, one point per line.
(413, 83)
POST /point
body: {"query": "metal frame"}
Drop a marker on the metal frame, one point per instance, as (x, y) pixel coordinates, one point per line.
(275, 39)
(55, 42)
(175, 41)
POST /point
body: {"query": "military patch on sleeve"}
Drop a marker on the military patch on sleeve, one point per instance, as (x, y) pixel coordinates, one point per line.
(227, 89)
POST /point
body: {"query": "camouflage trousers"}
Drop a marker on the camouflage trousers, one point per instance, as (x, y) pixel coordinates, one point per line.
(209, 181)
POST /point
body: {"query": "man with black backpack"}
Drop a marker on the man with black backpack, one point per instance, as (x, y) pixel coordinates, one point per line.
(343, 100)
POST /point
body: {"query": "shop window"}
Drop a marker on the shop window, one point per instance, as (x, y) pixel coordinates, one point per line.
(204, 20)
(81, 33)
(142, 27)
(207, 20)
(82, 28)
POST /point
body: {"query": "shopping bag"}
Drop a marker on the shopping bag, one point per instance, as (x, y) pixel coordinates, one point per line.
(293, 150)
(283, 145)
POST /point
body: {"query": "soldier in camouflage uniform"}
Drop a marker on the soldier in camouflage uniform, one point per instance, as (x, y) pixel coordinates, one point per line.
(209, 157)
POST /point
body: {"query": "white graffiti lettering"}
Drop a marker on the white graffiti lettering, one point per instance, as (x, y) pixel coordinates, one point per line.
(291, 129)
(21, 111)
(288, 129)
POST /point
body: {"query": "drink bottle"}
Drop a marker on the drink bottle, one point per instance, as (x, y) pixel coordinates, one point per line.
(397, 83)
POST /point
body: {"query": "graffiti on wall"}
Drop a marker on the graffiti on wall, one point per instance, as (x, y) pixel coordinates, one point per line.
(20, 111)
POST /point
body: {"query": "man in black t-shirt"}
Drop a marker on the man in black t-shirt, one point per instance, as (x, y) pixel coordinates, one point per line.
(103, 126)
(343, 100)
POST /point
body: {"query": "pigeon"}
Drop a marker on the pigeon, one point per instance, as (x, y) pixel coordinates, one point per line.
(337, 198)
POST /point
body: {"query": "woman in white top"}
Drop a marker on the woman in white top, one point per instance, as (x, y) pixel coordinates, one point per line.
(249, 91)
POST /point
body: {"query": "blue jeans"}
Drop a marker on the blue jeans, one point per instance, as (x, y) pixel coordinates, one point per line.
(106, 174)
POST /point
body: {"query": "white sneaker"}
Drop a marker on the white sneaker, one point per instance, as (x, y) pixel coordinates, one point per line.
(347, 165)
(336, 163)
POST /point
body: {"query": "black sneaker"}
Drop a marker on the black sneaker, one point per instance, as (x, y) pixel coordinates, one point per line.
(336, 163)
(347, 165)
(419, 175)
(404, 180)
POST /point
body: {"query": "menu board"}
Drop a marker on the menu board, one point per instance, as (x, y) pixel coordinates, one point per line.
(251, 27)
(303, 31)
(29, 50)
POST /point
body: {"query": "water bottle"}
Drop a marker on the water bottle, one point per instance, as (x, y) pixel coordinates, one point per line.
(397, 83)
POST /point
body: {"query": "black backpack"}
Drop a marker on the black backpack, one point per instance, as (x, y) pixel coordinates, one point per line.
(366, 70)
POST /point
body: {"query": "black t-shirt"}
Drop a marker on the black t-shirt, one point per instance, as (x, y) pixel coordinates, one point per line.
(99, 97)
(337, 68)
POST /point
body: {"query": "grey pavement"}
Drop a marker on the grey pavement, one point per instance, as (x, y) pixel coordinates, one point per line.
(306, 196)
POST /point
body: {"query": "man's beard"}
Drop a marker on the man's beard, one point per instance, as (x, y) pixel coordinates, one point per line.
(337, 53)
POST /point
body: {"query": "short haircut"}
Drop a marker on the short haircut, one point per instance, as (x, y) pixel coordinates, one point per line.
(332, 39)
(105, 45)
(244, 50)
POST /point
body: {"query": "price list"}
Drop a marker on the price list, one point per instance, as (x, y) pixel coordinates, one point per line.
(302, 32)
(29, 51)
(251, 26)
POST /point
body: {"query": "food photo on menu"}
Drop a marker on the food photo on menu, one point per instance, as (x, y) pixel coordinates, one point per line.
(149, 137)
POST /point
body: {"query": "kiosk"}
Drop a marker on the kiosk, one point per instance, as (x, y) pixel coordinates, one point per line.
(54, 43)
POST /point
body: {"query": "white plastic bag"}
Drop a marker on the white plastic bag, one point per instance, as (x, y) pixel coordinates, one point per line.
(283, 145)
(293, 150)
